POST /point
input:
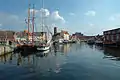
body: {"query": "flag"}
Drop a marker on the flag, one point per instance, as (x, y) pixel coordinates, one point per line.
(26, 21)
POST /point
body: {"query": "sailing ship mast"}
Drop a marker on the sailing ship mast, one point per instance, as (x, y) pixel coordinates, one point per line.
(33, 18)
(42, 15)
(45, 44)
(28, 21)
(42, 20)
(44, 33)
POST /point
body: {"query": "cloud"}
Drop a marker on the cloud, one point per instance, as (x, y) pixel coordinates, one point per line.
(114, 17)
(90, 13)
(41, 13)
(31, 10)
(56, 16)
(51, 16)
(91, 24)
(72, 14)
(17, 22)
(53, 24)
(44, 12)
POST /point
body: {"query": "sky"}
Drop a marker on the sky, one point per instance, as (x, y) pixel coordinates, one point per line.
(90, 17)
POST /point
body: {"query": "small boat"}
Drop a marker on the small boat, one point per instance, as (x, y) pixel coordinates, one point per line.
(60, 41)
(72, 41)
(43, 47)
(99, 42)
(65, 41)
(91, 42)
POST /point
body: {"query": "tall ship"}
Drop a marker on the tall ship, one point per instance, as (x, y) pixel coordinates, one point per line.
(41, 42)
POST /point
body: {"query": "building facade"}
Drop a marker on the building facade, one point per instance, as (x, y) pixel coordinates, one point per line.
(65, 35)
(112, 36)
(7, 35)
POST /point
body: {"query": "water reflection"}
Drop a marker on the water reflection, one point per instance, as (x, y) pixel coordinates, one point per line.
(81, 60)
(62, 48)
(55, 54)
(47, 61)
(112, 53)
(109, 53)
(42, 54)
(99, 48)
(91, 46)
(53, 60)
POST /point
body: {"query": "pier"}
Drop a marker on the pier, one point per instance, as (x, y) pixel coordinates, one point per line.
(5, 50)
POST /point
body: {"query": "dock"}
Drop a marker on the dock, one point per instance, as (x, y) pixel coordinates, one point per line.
(5, 50)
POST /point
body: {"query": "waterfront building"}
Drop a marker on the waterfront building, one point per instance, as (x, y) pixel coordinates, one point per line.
(65, 35)
(112, 37)
(80, 36)
(6, 35)
(22, 36)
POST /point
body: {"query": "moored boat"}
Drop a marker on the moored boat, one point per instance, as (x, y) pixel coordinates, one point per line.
(99, 42)
(43, 47)
(91, 42)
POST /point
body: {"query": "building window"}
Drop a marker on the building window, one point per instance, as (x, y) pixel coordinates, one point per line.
(109, 32)
(107, 37)
(117, 37)
(112, 37)
(119, 31)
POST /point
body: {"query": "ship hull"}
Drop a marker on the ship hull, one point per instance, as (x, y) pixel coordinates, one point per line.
(42, 48)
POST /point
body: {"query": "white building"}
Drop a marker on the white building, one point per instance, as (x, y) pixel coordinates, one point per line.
(65, 35)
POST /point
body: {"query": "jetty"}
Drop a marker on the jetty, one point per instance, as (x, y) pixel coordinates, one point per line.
(5, 49)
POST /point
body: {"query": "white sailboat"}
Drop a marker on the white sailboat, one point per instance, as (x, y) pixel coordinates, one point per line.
(46, 36)
(44, 44)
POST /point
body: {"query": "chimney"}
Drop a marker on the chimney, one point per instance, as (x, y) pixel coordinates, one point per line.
(55, 30)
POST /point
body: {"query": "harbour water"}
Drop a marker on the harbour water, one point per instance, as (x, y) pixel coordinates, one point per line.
(64, 62)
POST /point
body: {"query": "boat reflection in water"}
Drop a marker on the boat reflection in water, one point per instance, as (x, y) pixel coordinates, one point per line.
(62, 48)
(46, 61)
(42, 54)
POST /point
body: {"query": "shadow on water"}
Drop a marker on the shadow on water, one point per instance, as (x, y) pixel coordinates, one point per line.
(109, 52)
(42, 54)
(99, 48)
(91, 46)
(112, 53)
